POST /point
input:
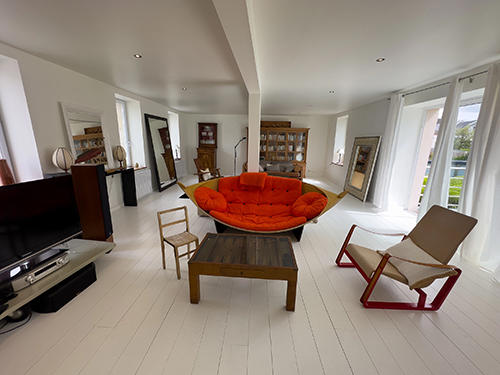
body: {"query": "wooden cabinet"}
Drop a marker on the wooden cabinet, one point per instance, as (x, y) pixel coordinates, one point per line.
(165, 138)
(275, 124)
(86, 142)
(207, 157)
(207, 145)
(207, 135)
(169, 162)
(91, 193)
(284, 144)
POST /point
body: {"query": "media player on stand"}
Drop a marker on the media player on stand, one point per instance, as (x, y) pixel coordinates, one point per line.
(39, 272)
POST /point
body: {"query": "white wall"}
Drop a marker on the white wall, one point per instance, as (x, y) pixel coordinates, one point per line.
(231, 128)
(19, 136)
(368, 120)
(46, 85)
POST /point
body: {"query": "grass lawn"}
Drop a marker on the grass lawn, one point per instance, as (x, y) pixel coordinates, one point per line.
(455, 186)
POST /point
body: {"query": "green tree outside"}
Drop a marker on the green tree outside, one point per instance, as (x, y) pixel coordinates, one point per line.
(463, 139)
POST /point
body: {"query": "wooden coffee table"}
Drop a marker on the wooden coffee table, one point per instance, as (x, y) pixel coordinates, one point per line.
(249, 256)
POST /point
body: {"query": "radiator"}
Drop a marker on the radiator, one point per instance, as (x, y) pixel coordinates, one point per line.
(143, 184)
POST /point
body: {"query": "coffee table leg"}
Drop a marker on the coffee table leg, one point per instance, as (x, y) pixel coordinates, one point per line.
(291, 292)
(194, 287)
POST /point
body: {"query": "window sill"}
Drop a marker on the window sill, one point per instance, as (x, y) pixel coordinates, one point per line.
(339, 164)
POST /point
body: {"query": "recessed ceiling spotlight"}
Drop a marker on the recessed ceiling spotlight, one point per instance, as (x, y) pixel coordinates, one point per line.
(184, 89)
(310, 105)
(205, 103)
(137, 56)
(331, 92)
(382, 59)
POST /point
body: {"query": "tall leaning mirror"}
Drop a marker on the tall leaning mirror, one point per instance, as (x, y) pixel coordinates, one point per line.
(161, 150)
(86, 131)
(363, 157)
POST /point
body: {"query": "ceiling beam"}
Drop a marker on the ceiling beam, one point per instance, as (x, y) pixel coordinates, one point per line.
(236, 18)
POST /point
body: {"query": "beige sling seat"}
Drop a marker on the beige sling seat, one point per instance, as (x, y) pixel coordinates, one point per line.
(417, 261)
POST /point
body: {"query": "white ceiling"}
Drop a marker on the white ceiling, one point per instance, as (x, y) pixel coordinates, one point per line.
(291, 51)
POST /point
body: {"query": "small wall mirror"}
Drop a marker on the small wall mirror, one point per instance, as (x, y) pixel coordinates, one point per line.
(86, 131)
(161, 150)
(363, 156)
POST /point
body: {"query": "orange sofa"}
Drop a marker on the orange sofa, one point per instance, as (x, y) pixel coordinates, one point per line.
(260, 203)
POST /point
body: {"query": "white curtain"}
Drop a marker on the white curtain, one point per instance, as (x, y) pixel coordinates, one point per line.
(438, 181)
(387, 153)
(480, 196)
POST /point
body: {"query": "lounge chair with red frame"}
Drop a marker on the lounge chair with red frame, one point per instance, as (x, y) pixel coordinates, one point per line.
(417, 261)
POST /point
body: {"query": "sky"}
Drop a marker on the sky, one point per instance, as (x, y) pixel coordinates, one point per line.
(469, 112)
(466, 112)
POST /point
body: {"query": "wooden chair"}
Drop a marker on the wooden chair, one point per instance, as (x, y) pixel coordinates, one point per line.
(205, 173)
(176, 240)
(438, 234)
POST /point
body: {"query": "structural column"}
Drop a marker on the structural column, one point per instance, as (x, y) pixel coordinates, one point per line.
(253, 132)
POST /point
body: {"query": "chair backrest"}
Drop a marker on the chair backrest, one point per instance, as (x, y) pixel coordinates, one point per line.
(184, 219)
(199, 165)
(441, 231)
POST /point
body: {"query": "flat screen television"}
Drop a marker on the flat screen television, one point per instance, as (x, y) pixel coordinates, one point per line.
(34, 217)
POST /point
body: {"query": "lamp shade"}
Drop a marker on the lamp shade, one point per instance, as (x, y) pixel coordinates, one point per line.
(119, 154)
(63, 159)
(341, 151)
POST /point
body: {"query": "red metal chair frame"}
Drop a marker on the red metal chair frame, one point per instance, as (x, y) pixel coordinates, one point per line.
(372, 281)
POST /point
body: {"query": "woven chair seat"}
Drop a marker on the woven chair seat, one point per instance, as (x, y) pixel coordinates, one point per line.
(180, 239)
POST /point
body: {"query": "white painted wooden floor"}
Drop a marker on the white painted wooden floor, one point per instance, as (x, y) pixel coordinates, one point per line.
(137, 319)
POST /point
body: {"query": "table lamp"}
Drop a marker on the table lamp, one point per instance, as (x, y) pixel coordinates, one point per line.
(63, 159)
(341, 152)
(120, 154)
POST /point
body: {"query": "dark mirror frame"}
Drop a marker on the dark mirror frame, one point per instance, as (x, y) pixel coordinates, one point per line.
(157, 153)
(359, 174)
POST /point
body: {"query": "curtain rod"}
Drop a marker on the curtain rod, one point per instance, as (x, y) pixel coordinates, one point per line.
(444, 83)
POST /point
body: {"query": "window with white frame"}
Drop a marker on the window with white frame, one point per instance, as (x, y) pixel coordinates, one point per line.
(175, 138)
(340, 138)
(468, 113)
(123, 128)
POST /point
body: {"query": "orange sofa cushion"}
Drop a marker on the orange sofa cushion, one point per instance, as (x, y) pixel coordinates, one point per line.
(210, 200)
(309, 205)
(268, 209)
(252, 181)
(256, 201)
(259, 223)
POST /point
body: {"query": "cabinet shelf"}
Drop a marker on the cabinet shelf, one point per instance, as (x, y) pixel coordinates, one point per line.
(85, 142)
(284, 144)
